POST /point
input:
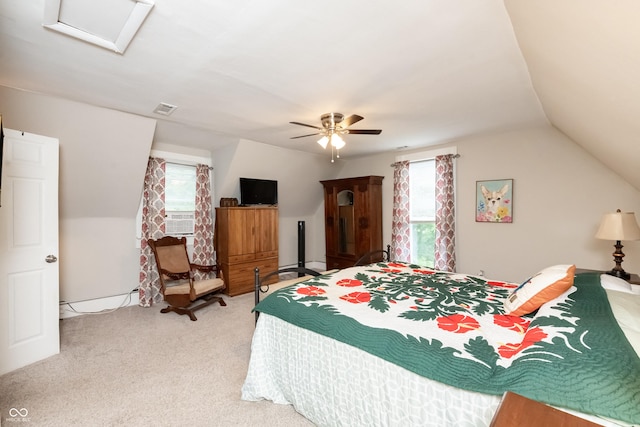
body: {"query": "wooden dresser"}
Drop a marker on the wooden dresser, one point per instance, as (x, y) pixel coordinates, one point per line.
(353, 219)
(245, 238)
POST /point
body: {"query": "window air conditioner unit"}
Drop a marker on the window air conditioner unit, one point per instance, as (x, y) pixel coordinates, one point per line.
(180, 223)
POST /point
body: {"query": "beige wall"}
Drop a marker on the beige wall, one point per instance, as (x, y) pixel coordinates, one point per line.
(103, 157)
(299, 190)
(560, 193)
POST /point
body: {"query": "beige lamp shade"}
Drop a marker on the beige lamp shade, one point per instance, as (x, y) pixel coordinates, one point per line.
(618, 226)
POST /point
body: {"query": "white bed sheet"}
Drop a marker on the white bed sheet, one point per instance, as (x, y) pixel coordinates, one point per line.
(335, 384)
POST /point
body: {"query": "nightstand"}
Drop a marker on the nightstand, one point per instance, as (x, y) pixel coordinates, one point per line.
(516, 410)
(634, 279)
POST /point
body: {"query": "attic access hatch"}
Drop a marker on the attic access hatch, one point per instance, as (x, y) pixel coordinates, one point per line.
(110, 25)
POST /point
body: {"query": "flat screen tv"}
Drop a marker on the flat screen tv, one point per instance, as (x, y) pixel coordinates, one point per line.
(258, 191)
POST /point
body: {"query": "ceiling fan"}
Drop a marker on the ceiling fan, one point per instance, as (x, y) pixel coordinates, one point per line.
(334, 125)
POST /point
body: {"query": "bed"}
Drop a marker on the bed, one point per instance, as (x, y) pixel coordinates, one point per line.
(399, 344)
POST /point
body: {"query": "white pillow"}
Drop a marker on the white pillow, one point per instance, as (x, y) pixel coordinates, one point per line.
(544, 286)
(614, 283)
(625, 308)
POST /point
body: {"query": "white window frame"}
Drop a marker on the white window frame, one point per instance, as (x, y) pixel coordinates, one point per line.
(412, 220)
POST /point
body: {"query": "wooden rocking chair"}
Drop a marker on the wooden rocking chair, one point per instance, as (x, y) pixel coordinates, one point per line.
(184, 294)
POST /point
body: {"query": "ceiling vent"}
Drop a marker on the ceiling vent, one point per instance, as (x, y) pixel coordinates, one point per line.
(165, 109)
(110, 25)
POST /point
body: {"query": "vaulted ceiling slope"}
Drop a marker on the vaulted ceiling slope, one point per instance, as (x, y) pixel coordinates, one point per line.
(425, 72)
(584, 61)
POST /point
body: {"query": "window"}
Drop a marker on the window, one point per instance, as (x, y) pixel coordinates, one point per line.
(180, 194)
(415, 220)
(422, 203)
(180, 199)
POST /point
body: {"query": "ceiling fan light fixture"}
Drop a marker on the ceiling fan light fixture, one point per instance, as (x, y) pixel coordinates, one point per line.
(323, 141)
(334, 125)
(337, 141)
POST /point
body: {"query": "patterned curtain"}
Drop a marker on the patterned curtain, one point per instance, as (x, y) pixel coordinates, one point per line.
(445, 258)
(400, 227)
(203, 230)
(153, 227)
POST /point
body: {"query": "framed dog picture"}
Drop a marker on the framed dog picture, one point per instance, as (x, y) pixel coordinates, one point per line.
(494, 201)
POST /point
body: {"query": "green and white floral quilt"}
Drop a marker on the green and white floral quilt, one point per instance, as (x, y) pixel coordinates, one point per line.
(452, 328)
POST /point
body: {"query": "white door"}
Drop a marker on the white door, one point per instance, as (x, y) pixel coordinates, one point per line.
(29, 325)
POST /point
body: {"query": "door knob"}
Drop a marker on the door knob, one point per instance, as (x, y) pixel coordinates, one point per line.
(51, 258)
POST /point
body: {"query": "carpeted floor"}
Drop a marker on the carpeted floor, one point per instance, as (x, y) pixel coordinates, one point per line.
(139, 367)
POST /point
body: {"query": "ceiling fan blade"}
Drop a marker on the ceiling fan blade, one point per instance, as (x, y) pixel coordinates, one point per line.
(354, 118)
(365, 131)
(303, 136)
(304, 124)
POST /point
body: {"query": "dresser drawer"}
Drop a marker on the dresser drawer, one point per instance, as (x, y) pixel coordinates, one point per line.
(241, 258)
(240, 276)
(267, 254)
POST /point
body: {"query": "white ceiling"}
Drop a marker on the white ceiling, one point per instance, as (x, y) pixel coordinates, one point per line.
(425, 72)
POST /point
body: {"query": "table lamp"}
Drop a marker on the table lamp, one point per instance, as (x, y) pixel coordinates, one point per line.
(618, 226)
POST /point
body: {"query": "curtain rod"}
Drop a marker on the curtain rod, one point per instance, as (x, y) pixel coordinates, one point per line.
(187, 164)
(190, 164)
(455, 156)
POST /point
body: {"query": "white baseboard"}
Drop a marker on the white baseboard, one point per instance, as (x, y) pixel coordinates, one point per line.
(103, 305)
(97, 306)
